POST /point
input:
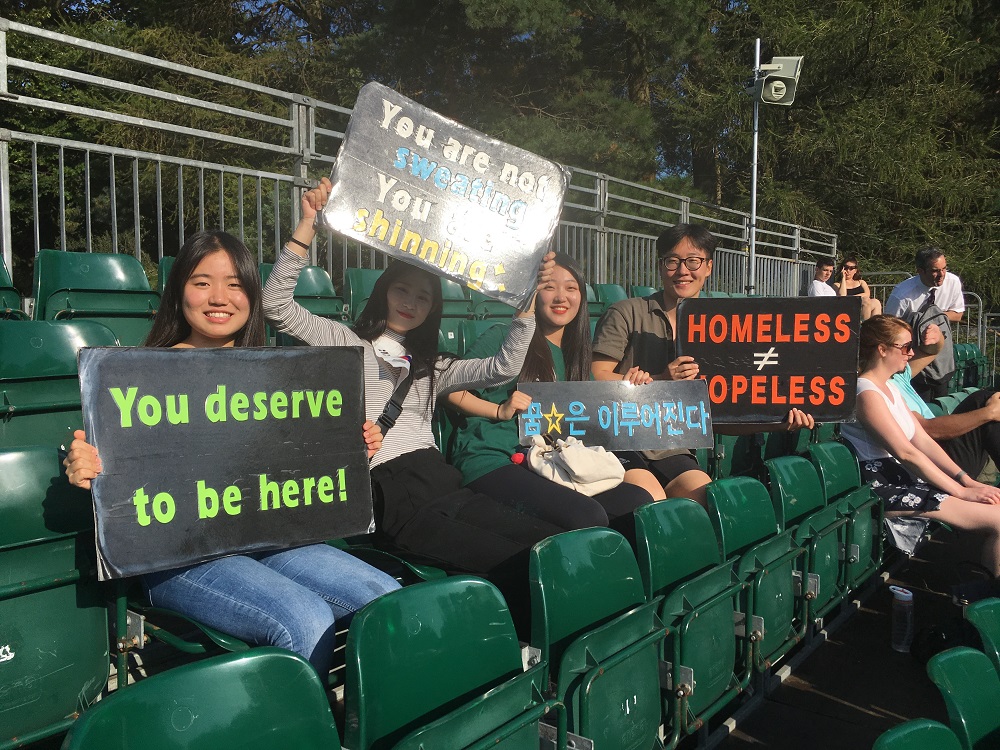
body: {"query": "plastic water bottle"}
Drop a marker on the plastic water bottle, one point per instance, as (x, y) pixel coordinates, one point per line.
(902, 618)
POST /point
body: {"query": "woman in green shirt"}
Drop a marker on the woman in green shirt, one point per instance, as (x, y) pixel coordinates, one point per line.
(482, 446)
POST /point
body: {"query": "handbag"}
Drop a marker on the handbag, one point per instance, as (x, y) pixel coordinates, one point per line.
(588, 470)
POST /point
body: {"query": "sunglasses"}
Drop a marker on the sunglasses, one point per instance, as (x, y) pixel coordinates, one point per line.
(906, 348)
(850, 268)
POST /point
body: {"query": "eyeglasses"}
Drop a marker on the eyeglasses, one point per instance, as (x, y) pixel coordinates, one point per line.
(672, 263)
(906, 348)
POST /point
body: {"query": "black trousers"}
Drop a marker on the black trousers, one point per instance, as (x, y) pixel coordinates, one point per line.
(971, 450)
(522, 489)
(930, 388)
(421, 507)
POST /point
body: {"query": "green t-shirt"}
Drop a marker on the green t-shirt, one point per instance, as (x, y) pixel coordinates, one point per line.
(482, 445)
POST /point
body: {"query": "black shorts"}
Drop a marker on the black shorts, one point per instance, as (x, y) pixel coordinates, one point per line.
(665, 470)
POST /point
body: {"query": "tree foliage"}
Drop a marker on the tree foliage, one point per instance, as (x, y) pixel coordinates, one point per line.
(891, 142)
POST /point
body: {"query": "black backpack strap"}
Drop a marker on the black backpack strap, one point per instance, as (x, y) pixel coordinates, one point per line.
(394, 406)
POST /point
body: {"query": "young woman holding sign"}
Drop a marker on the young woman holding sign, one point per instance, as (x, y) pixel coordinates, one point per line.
(292, 598)
(908, 470)
(421, 506)
(559, 351)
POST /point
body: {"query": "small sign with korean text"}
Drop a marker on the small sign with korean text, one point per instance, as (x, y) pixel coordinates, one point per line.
(618, 416)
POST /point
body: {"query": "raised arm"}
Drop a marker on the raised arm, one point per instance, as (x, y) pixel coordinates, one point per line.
(280, 306)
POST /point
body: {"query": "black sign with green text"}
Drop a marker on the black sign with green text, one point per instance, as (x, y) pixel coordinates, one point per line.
(211, 452)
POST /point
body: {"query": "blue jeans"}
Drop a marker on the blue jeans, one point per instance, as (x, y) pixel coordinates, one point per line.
(290, 598)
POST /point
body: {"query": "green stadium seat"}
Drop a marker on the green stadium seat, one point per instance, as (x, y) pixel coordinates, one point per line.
(487, 307)
(39, 387)
(641, 291)
(111, 289)
(918, 734)
(985, 616)
(265, 698)
(455, 300)
(470, 331)
(736, 455)
(717, 295)
(608, 294)
(314, 291)
(438, 665)
(10, 298)
(936, 408)
(163, 269)
(358, 285)
(948, 403)
(825, 432)
(450, 338)
(765, 559)
(970, 687)
(841, 482)
(598, 635)
(799, 505)
(53, 623)
(595, 308)
(680, 562)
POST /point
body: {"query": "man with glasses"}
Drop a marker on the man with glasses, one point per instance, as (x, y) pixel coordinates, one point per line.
(820, 285)
(933, 296)
(634, 341)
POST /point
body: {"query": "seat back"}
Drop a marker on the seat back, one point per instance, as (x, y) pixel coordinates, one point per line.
(163, 269)
(985, 616)
(53, 622)
(263, 698)
(601, 639)
(109, 288)
(675, 541)
(918, 734)
(837, 468)
(470, 330)
(594, 306)
(579, 579)
(970, 687)
(640, 291)
(39, 387)
(741, 511)
(487, 307)
(608, 294)
(10, 298)
(455, 301)
(358, 285)
(450, 338)
(418, 653)
(795, 489)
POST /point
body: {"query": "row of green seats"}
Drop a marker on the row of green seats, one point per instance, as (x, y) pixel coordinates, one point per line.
(969, 681)
(971, 368)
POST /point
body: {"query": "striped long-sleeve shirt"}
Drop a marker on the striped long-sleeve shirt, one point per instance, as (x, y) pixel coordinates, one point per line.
(413, 428)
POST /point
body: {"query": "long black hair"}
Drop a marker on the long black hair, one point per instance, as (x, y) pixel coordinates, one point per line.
(170, 327)
(576, 348)
(422, 341)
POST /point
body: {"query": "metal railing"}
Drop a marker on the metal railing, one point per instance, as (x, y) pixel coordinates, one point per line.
(237, 154)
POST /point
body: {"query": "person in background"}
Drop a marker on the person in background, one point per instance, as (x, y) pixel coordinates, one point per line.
(820, 285)
(933, 296)
(971, 433)
(850, 283)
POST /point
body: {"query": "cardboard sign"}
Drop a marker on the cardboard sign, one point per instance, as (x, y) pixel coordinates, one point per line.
(619, 416)
(763, 356)
(210, 452)
(442, 196)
